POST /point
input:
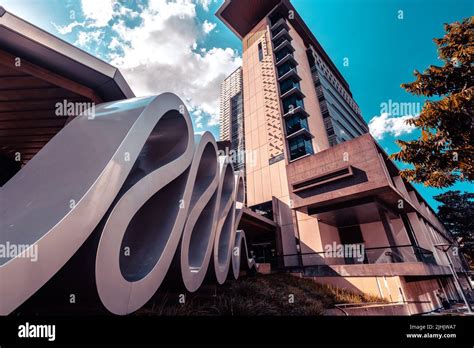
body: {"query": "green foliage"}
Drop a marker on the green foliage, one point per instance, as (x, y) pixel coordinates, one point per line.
(457, 214)
(444, 153)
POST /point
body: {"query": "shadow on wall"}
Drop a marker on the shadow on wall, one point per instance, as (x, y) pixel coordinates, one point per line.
(324, 274)
(8, 168)
(359, 176)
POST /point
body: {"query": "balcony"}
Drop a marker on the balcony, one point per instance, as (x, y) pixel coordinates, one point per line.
(299, 146)
(402, 260)
(284, 68)
(292, 103)
(288, 58)
(288, 84)
(279, 23)
(295, 91)
(282, 54)
(404, 253)
(295, 111)
(284, 44)
(295, 124)
(283, 33)
(290, 74)
(303, 131)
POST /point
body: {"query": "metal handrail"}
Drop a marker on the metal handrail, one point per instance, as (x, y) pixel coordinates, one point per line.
(378, 303)
(421, 254)
(343, 306)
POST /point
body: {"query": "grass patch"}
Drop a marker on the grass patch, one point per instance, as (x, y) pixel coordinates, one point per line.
(272, 295)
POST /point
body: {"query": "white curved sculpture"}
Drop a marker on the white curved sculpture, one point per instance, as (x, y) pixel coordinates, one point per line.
(240, 259)
(225, 232)
(156, 188)
(199, 232)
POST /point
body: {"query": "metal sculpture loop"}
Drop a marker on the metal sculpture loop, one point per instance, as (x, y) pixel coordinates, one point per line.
(136, 172)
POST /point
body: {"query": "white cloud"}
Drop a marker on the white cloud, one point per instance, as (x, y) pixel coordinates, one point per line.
(198, 118)
(207, 26)
(66, 29)
(125, 11)
(99, 12)
(114, 44)
(384, 124)
(85, 39)
(160, 50)
(161, 55)
(205, 3)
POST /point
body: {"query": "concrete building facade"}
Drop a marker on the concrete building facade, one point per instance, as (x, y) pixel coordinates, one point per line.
(321, 177)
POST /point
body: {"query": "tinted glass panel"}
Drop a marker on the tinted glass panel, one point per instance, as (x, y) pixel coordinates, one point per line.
(300, 146)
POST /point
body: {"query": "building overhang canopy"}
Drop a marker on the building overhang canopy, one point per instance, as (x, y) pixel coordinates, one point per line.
(241, 16)
(26, 41)
(256, 225)
(38, 72)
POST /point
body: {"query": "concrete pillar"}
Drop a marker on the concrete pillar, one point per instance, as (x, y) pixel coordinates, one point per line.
(286, 243)
(387, 226)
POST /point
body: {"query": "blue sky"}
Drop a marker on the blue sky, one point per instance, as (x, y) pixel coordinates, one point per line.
(154, 42)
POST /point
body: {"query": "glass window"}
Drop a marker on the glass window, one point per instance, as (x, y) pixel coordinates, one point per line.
(292, 102)
(281, 30)
(282, 53)
(286, 85)
(279, 41)
(295, 123)
(275, 17)
(260, 51)
(300, 146)
(284, 68)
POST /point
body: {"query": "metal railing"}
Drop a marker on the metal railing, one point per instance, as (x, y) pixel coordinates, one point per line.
(351, 254)
(343, 307)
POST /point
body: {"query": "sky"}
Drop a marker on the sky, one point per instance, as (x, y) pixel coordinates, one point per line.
(182, 47)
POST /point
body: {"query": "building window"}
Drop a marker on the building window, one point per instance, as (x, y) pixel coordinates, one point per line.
(286, 85)
(282, 54)
(274, 17)
(279, 41)
(292, 103)
(260, 51)
(295, 123)
(284, 68)
(300, 146)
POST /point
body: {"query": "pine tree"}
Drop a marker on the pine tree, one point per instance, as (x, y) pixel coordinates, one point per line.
(445, 150)
(457, 214)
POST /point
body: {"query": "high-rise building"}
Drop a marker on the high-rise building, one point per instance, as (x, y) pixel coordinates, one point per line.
(341, 114)
(321, 177)
(232, 117)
